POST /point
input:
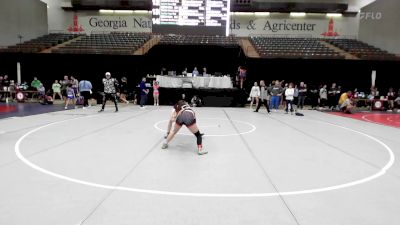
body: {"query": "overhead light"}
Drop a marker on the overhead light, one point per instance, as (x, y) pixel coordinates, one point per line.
(123, 11)
(141, 11)
(261, 13)
(243, 13)
(297, 14)
(333, 14)
(106, 11)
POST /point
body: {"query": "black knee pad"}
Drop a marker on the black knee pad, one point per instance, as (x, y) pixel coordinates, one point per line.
(199, 137)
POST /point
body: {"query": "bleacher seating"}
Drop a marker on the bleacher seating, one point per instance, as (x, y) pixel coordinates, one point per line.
(121, 43)
(41, 43)
(199, 40)
(307, 48)
(362, 50)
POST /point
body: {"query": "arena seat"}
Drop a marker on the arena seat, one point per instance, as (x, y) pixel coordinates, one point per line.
(281, 47)
(199, 40)
(362, 50)
(118, 43)
(41, 43)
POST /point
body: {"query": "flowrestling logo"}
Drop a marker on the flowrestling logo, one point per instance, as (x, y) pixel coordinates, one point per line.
(370, 15)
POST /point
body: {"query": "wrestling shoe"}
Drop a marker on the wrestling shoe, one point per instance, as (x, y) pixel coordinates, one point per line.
(164, 146)
(201, 150)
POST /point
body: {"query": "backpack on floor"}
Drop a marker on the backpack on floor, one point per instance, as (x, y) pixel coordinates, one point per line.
(79, 100)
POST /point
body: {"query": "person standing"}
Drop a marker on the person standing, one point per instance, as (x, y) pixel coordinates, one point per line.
(110, 91)
(242, 76)
(195, 72)
(289, 93)
(391, 96)
(332, 96)
(254, 94)
(156, 93)
(263, 97)
(323, 96)
(6, 87)
(123, 87)
(85, 88)
(75, 84)
(302, 95)
(64, 84)
(70, 96)
(276, 93)
(143, 93)
(56, 87)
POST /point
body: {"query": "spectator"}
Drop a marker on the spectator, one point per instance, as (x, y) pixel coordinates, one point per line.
(242, 76)
(64, 84)
(24, 86)
(110, 91)
(143, 93)
(56, 87)
(156, 93)
(391, 96)
(70, 96)
(184, 72)
(195, 73)
(302, 95)
(332, 93)
(123, 88)
(85, 89)
(314, 97)
(254, 94)
(276, 93)
(323, 96)
(12, 89)
(1, 86)
(289, 93)
(196, 101)
(35, 84)
(345, 102)
(264, 97)
(41, 92)
(75, 84)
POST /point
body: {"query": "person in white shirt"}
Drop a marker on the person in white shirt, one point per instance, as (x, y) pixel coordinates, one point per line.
(254, 94)
(289, 93)
(195, 72)
(264, 97)
(323, 96)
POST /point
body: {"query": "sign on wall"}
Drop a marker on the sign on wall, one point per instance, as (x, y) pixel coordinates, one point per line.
(311, 27)
(89, 24)
(247, 25)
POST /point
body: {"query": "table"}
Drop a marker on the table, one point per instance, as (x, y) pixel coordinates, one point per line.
(196, 82)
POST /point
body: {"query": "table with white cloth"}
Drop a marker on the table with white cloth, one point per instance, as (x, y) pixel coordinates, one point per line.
(196, 82)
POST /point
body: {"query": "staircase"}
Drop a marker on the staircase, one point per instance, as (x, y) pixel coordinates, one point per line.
(49, 50)
(148, 45)
(248, 48)
(340, 51)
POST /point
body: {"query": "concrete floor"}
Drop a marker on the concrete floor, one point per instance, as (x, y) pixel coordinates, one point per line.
(83, 167)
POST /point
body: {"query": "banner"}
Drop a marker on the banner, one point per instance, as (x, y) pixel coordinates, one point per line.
(90, 24)
(313, 26)
(248, 25)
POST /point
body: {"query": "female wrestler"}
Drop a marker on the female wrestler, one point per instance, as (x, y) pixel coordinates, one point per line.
(185, 116)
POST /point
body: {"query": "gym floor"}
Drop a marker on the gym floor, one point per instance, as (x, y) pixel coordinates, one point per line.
(79, 166)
